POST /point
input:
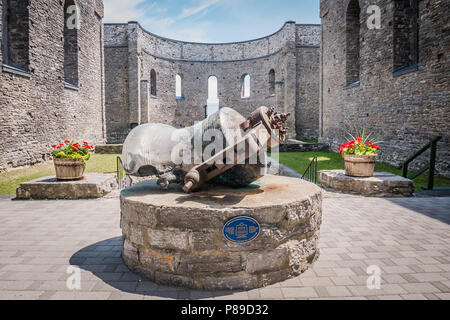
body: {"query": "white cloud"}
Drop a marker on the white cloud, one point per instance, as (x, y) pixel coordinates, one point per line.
(152, 18)
(122, 11)
(197, 33)
(187, 12)
(157, 25)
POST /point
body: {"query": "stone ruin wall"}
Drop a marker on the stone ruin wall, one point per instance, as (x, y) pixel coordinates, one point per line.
(308, 82)
(166, 108)
(37, 110)
(406, 110)
(131, 53)
(257, 48)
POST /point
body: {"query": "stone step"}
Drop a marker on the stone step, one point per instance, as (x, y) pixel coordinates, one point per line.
(109, 148)
(382, 184)
(303, 147)
(94, 185)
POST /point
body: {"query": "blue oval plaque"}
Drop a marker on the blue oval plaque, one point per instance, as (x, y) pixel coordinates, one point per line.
(241, 229)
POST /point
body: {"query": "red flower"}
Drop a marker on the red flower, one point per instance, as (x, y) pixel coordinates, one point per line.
(54, 146)
(370, 144)
(67, 141)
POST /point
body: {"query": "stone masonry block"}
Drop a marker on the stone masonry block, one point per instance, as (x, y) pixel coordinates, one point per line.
(266, 261)
(176, 240)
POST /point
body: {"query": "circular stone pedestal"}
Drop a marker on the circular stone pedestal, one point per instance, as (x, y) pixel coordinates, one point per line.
(178, 239)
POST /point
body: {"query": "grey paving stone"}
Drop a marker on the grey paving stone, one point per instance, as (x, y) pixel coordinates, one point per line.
(338, 291)
(20, 295)
(411, 247)
(304, 292)
(271, 293)
(422, 287)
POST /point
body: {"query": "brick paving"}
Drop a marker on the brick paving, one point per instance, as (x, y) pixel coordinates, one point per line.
(408, 239)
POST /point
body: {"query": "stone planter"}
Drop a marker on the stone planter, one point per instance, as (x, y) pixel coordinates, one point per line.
(359, 165)
(69, 169)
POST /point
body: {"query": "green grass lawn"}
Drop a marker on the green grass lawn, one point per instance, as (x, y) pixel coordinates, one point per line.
(310, 141)
(9, 181)
(328, 160)
(106, 163)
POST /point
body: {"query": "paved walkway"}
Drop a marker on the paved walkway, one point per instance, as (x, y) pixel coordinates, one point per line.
(407, 239)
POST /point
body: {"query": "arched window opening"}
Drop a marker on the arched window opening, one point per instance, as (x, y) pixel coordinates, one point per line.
(153, 82)
(16, 34)
(405, 34)
(272, 82)
(179, 85)
(353, 42)
(71, 42)
(213, 96)
(245, 86)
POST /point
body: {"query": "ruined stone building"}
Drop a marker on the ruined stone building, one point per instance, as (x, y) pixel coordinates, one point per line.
(142, 71)
(51, 77)
(97, 84)
(394, 80)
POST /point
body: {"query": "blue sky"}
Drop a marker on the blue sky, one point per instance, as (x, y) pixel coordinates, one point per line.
(212, 20)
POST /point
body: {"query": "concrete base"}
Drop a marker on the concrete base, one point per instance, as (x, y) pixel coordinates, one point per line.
(93, 185)
(109, 148)
(177, 239)
(297, 146)
(382, 184)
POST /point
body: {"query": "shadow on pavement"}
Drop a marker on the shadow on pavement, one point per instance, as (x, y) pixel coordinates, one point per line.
(103, 259)
(433, 207)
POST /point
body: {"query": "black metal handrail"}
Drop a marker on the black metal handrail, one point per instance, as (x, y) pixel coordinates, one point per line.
(430, 166)
(310, 173)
